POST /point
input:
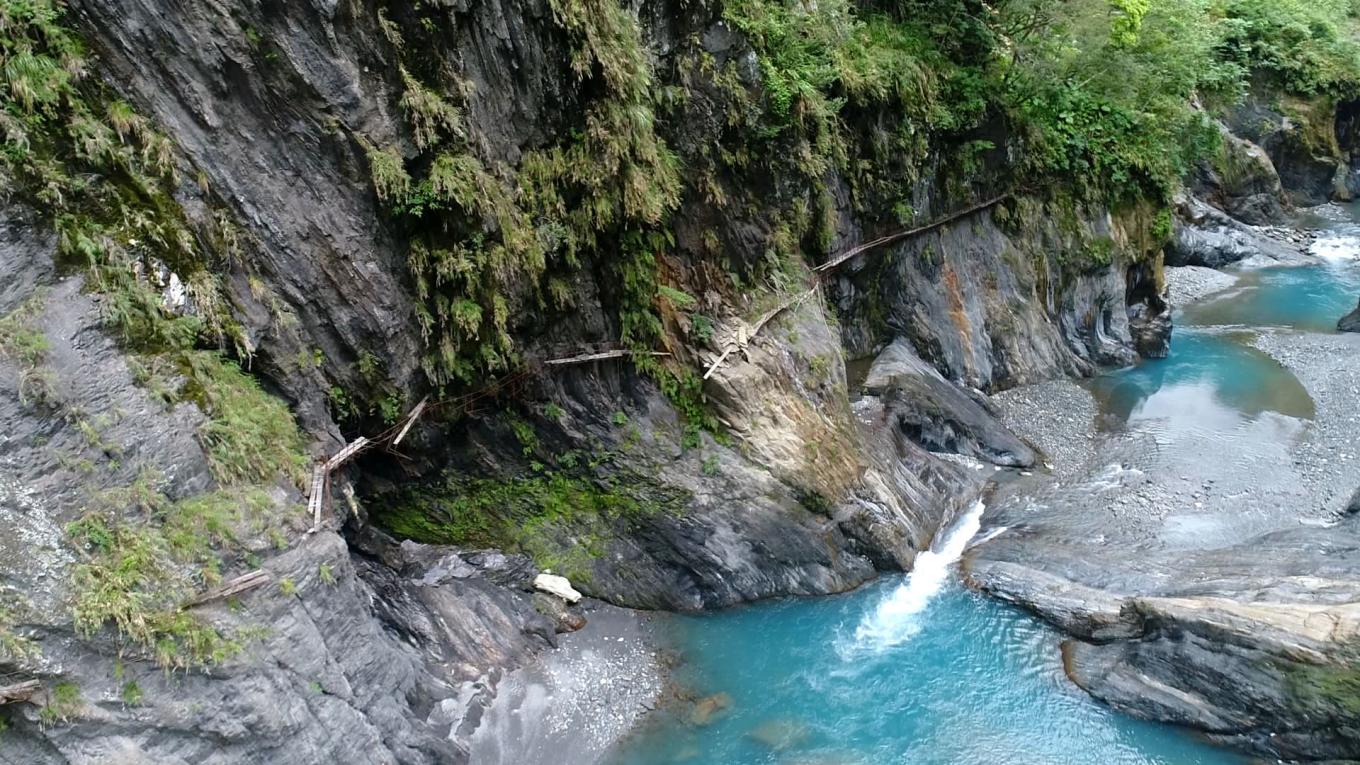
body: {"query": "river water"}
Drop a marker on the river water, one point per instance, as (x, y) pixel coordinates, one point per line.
(919, 670)
(913, 670)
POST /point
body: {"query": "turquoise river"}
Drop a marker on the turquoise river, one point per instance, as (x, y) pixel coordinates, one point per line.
(918, 669)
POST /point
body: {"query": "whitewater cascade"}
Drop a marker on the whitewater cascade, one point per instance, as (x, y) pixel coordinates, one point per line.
(894, 621)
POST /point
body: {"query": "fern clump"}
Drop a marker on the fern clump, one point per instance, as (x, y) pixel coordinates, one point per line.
(487, 238)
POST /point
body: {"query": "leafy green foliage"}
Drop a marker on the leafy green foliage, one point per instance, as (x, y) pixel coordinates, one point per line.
(22, 340)
(250, 435)
(1308, 46)
(14, 648)
(1100, 90)
(63, 702)
(132, 694)
(489, 241)
(484, 239)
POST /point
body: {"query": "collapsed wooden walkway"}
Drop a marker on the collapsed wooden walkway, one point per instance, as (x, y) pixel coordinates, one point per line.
(738, 335)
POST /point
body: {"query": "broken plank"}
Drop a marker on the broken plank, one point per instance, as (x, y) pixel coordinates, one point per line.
(411, 420)
(17, 692)
(318, 490)
(600, 356)
(247, 581)
(342, 456)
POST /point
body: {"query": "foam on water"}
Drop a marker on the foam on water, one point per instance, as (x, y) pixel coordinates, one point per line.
(1336, 248)
(895, 620)
(978, 682)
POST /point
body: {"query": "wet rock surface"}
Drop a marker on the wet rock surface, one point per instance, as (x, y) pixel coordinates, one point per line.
(1150, 328)
(1218, 599)
(1301, 142)
(938, 414)
(1242, 182)
(1350, 322)
(1206, 236)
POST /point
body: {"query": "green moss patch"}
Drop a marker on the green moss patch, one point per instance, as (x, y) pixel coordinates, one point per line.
(563, 522)
(139, 568)
(1329, 691)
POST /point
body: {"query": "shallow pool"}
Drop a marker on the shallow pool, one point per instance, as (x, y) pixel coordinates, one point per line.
(1310, 297)
(1211, 380)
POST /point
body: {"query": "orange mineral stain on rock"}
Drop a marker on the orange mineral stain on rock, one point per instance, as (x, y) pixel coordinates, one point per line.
(959, 317)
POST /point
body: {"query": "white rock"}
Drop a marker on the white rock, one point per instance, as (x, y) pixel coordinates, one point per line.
(557, 585)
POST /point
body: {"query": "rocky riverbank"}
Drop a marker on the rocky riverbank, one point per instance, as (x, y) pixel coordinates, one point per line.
(1187, 284)
(1196, 592)
(574, 703)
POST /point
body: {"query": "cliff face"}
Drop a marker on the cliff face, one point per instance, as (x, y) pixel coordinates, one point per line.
(783, 472)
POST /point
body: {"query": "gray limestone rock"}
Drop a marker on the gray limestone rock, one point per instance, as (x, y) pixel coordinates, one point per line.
(938, 414)
(1205, 236)
(1350, 322)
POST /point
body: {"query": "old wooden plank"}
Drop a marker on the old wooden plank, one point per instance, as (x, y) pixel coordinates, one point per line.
(17, 692)
(411, 420)
(242, 583)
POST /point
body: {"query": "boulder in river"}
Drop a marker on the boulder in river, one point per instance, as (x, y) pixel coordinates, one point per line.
(1151, 331)
(1256, 644)
(1206, 236)
(779, 735)
(1350, 322)
(707, 709)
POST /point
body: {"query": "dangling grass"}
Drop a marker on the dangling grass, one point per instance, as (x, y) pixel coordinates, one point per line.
(108, 179)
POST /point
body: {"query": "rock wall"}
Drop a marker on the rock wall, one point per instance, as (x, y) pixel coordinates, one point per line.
(1278, 153)
(814, 482)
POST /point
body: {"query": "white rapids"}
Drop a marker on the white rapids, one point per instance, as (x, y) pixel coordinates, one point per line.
(895, 620)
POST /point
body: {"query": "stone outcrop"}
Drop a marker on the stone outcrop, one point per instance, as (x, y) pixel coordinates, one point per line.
(1273, 158)
(1255, 644)
(938, 414)
(1205, 236)
(1301, 140)
(1241, 181)
(1350, 322)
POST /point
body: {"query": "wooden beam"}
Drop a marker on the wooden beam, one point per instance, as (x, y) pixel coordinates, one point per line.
(343, 456)
(908, 233)
(247, 581)
(614, 354)
(18, 692)
(410, 420)
(318, 490)
(321, 478)
(759, 325)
